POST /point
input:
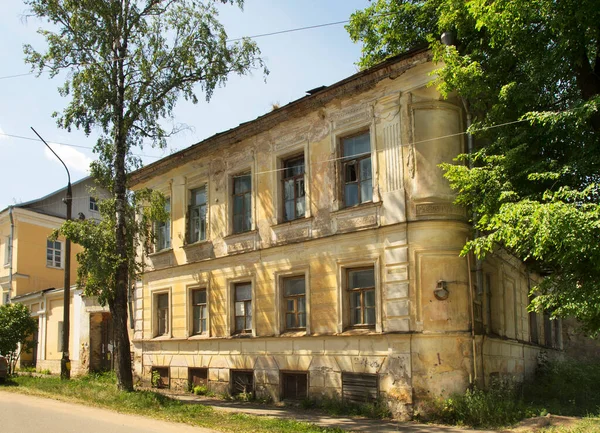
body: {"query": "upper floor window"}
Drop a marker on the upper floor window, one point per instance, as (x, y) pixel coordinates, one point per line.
(294, 298)
(243, 307)
(163, 230)
(357, 176)
(53, 254)
(360, 286)
(200, 312)
(197, 215)
(242, 203)
(93, 204)
(294, 202)
(162, 314)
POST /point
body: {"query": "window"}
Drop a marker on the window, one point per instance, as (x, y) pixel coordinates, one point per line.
(242, 203)
(197, 215)
(7, 251)
(357, 176)
(294, 202)
(295, 386)
(199, 311)
(53, 254)
(294, 299)
(243, 307)
(242, 382)
(360, 284)
(162, 314)
(93, 204)
(163, 230)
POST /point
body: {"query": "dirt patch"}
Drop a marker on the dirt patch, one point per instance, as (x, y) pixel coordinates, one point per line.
(533, 425)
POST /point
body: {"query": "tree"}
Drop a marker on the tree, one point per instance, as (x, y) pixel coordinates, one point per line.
(16, 328)
(129, 61)
(529, 73)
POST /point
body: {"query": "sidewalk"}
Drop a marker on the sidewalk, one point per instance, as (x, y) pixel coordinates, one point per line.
(320, 419)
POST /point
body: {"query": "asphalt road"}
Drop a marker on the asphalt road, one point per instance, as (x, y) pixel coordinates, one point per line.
(22, 413)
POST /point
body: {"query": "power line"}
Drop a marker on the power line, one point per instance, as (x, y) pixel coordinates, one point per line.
(70, 145)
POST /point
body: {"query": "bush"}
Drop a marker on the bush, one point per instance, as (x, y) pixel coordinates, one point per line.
(200, 390)
(498, 406)
(566, 388)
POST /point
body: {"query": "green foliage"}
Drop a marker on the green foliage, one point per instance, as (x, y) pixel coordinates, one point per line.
(16, 328)
(101, 391)
(499, 406)
(155, 379)
(566, 388)
(201, 390)
(529, 75)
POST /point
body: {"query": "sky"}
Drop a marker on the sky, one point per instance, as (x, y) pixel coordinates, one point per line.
(297, 61)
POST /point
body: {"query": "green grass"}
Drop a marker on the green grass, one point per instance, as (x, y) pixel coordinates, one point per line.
(586, 425)
(337, 407)
(101, 391)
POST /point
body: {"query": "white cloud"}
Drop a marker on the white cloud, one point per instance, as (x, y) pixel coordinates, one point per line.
(73, 158)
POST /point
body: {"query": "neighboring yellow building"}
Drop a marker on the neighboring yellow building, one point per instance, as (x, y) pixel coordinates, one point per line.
(33, 274)
(315, 252)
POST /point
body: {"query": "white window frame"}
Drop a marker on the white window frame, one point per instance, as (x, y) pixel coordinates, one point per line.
(154, 319)
(157, 244)
(203, 285)
(93, 206)
(191, 187)
(344, 298)
(279, 157)
(231, 304)
(336, 149)
(280, 296)
(62, 255)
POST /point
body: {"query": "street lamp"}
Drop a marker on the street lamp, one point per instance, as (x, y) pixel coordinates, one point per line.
(65, 363)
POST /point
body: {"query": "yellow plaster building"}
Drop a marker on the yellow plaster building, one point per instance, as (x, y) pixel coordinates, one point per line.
(315, 252)
(33, 274)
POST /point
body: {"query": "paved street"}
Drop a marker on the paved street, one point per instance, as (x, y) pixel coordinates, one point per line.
(22, 413)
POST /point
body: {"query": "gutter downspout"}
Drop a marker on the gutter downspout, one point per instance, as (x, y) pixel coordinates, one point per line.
(10, 252)
(478, 262)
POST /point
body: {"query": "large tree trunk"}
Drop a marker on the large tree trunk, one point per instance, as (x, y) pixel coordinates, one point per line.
(123, 352)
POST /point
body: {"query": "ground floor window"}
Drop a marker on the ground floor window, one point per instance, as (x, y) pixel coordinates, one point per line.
(294, 386)
(242, 382)
(359, 387)
(160, 377)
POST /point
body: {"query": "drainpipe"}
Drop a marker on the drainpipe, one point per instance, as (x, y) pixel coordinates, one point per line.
(10, 252)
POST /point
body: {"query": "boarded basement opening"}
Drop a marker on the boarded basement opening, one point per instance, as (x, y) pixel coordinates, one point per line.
(198, 376)
(160, 377)
(295, 386)
(359, 388)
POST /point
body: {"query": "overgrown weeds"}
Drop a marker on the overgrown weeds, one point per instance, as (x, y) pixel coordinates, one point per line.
(562, 388)
(377, 409)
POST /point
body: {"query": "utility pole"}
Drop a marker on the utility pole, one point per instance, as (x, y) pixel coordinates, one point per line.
(65, 362)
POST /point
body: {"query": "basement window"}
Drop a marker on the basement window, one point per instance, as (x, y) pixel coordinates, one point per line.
(359, 387)
(198, 376)
(295, 386)
(160, 377)
(242, 382)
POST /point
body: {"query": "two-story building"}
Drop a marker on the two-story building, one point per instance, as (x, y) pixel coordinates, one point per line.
(33, 274)
(315, 251)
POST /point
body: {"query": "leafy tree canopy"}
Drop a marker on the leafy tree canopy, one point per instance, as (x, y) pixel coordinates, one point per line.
(16, 327)
(128, 63)
(529, 73)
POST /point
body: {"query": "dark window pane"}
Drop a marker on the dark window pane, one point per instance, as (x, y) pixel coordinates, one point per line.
(243, 292)
(294, 286)
(301, 304)
(365, 169)
(289, 210)
(302, 320)
(239, 323)
(369, 296)
(366, 191)
(361, 278)
(290, 321)
(351, 174)
(369, 316)
(163, 301)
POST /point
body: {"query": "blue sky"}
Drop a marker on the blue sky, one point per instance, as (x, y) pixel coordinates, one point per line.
(297, 61)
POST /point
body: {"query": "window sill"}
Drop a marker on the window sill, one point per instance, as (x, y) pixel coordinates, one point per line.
(247, 334)
(198, 251)
(161, 338)
(196, 244)
(294, 333)
(291, 223)
(357, 208)
(161, 252)
(199, 337)
(367, 330)
(234, 236)
(49, 267)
